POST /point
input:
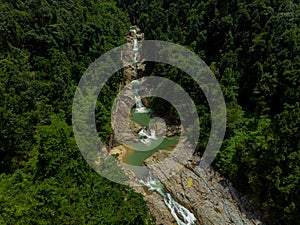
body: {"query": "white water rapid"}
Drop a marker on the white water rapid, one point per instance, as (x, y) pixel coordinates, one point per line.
(135, 46)
(140, 108)
(182, 215)
(145, 136)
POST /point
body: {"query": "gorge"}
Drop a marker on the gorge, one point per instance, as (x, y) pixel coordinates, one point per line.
(192, 196)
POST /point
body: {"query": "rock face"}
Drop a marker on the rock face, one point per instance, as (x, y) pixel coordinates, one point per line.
(210, 197)
(120, 115)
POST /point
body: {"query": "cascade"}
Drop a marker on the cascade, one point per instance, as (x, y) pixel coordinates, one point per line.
(182, 215)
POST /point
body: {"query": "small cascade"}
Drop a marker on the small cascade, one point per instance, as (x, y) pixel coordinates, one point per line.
(182, 215)
(145, 136)
(136, 36)
(153, 185)
(135, 50)
(140, 108)
(152, 134)
(177, 209)
(135, 45)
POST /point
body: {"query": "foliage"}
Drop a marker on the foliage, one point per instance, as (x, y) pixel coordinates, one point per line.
(58, 187)
(253, 49)
(45, 47)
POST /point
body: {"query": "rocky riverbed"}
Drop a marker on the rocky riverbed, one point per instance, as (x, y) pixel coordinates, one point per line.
(210, 197)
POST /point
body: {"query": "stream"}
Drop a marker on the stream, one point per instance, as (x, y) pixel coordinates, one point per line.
(148, 144)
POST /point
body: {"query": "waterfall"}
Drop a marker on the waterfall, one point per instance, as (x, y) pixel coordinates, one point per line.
(139, 107)
(153, 185)
(135, 45)
(144, 134)
(182, 215)
(176, 209)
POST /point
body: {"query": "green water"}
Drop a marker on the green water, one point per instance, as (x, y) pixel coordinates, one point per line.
(141, 151)
(141, 118)
(137, 156)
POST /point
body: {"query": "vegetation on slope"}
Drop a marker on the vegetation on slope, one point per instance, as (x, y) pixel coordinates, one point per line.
(253, 49)
(45, 48)
(251, 46)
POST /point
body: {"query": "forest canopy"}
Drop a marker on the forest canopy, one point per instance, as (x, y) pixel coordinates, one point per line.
(45, 47)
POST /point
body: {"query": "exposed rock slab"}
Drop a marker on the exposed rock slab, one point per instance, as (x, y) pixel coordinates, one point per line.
(211, 198)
